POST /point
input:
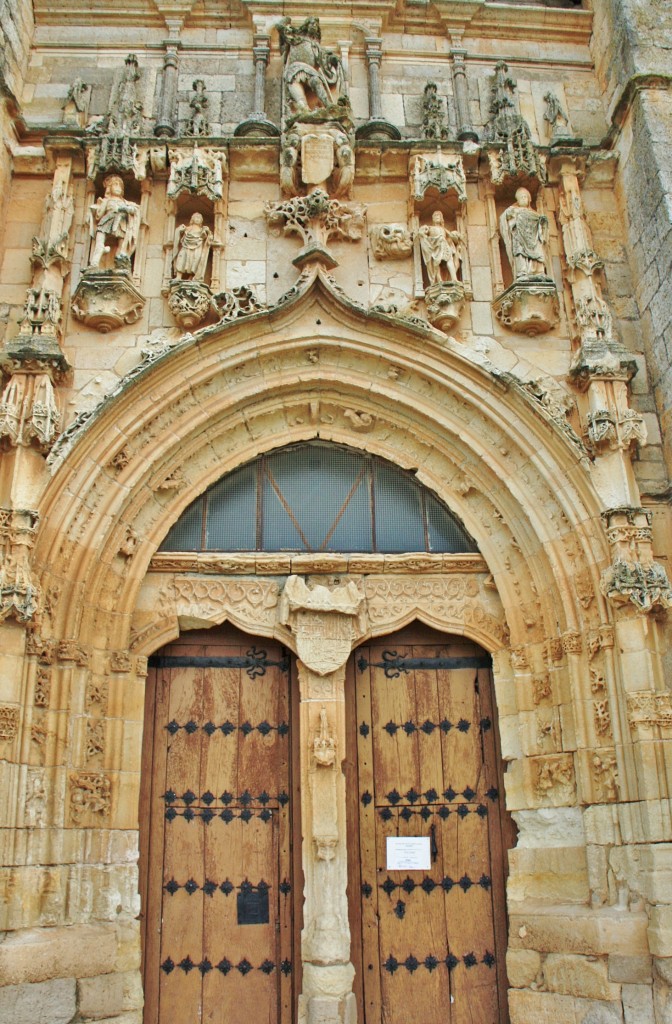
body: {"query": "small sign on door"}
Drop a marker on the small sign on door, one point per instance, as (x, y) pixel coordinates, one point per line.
(408, 853)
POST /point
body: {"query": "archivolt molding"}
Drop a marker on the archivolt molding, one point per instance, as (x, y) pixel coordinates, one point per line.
(317, 368)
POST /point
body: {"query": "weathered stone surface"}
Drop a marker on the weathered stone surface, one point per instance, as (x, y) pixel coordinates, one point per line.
(39, 954)
(47, 1002)
(630, 970)
(580, 976)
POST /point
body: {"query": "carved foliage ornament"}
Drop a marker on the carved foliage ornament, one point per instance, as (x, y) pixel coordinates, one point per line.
(90, 796)
(28, 411)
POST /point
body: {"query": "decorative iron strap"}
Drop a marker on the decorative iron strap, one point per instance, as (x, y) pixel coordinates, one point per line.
(411, 963)
(443, 812)
(210, 888)
(430, 795)
(253, 661)
(394, 664)
(225, 966)
(226, 728)
(429, 884)
(207, 814)
(245, 799)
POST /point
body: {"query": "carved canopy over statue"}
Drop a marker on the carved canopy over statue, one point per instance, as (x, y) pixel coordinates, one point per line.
(524, 232)
(313, 75)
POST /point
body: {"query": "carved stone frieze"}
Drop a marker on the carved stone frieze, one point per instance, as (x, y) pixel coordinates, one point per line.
(647, 709)
(197, 171)
(254, 601)
(454, 599)
(9, 722)
(391, 241)
(19, 592)
(90, 797)
(438, 173)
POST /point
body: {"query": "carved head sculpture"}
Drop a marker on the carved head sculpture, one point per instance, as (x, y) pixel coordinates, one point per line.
(113, 185)
(197, 219)
(523, 197)
(311, 27)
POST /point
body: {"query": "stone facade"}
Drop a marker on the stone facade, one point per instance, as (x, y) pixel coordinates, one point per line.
(204, 257)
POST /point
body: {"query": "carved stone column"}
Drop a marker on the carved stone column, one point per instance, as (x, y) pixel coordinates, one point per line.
(257, 123)
(324, 623)
(465, 132)
(377, 126)
(165, 122)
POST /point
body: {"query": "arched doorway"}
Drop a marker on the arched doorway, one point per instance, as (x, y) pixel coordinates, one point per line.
(219, 832)
(428, 833)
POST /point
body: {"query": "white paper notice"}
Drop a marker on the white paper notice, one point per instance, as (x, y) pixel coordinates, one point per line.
(408, 853)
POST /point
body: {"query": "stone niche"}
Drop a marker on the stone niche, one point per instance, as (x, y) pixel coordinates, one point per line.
(107, 296)
(529, 302)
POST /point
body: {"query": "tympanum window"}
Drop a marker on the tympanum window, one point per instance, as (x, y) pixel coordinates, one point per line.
(318, 497)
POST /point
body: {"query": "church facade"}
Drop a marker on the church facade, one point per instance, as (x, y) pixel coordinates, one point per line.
(335, 391)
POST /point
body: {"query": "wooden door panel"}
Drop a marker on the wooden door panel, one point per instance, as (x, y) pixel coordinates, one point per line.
(220, 891)
(430, 941)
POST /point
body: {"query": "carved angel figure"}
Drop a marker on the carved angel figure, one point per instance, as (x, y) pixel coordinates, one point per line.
(115, 220)
(524, 232)
(312, 72)
(191, 249)
(440, 249)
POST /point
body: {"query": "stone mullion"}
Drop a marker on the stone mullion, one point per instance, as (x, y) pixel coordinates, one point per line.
(143, 234)
(493, 237)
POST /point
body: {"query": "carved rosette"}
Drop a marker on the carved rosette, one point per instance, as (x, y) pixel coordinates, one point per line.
(189, 302)
(528, 307)
(107, 299)
(445, 302)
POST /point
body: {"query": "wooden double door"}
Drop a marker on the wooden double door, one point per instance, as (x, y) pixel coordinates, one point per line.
(221, 836)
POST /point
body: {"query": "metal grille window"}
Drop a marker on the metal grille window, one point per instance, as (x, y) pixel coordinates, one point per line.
(318, 497)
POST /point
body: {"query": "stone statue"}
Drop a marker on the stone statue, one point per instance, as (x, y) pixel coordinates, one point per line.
(198, 123)
(76, 106)
(115, 221)
(313, 75)
(440, 249)
(433, 118)
(191, 249)
(524, 232)
(556, 118)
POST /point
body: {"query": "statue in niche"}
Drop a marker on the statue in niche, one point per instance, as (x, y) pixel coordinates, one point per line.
(313, 75)
(114, 222)
(198, 123)
(524, 232)
(191, 249)
(441, 250)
